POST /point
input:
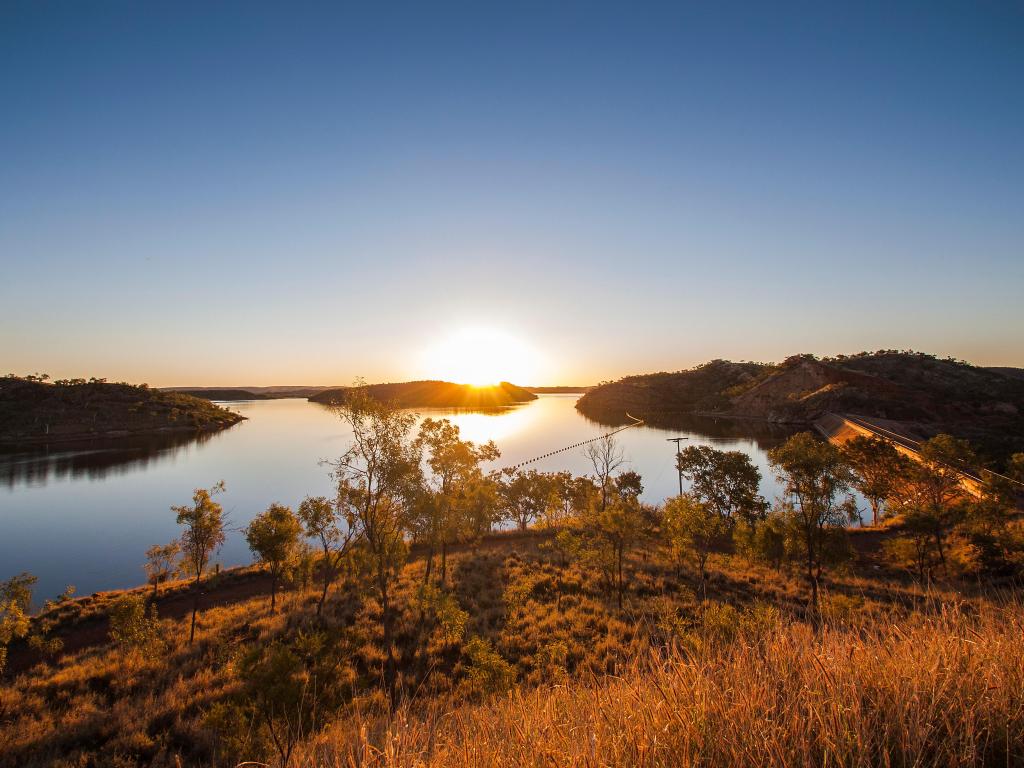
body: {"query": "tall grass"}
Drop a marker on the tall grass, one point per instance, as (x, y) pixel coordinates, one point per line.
(940, 689)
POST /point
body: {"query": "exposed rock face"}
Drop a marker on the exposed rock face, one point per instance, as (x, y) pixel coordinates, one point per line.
(931, 394)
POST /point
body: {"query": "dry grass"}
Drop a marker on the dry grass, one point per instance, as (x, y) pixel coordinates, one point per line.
(898, 678)
(939, 690)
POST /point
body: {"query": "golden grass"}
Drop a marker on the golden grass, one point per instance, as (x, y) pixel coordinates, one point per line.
(939, 690)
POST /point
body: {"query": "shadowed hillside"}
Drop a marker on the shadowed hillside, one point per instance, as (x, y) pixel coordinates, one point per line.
(38, 412)
(435, 394)
(222, 394)
(925, 393)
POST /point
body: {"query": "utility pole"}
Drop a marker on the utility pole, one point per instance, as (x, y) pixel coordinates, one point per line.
(677, 440)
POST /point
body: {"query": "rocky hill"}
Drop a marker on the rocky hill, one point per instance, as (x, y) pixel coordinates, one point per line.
(435, 394)
(924, 392)
(34, 412)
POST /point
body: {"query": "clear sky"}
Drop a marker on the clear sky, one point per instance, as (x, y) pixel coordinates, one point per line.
(218, 193)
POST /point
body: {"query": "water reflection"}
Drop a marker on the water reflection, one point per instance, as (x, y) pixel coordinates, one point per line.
(92, 459)
(765, 434)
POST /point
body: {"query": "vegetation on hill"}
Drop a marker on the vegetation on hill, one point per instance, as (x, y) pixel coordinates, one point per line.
(222, 394)
(928, 394)
(433, 394)
(34, 410)
(719, 628)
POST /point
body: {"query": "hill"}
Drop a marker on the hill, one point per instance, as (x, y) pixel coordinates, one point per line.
(1013, 373)
(276, 392)
(39, 412)
(222, 394)
(926, 393)
(435, 394)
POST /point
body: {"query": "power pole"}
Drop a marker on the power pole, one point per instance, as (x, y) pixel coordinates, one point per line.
(677, 440)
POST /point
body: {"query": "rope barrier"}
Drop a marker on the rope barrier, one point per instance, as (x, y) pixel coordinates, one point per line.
(636, 423)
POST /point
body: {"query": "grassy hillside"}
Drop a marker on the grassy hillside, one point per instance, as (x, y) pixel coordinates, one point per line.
(929, 394)
(436, 394)
(539, 656)
(38, 412)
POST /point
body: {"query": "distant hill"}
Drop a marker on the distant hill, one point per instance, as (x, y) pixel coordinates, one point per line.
(1013, 373)
(256, 393)
(925, 392)
(436, 394)
(564, 390)
(38, 412)
(222, 394)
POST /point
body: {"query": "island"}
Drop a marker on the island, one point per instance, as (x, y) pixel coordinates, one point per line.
(35, 411)
(434, 394)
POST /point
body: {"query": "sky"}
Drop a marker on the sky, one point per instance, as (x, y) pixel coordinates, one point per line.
(305, 193)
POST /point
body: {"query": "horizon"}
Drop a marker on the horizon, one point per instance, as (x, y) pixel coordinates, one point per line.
(333, 192)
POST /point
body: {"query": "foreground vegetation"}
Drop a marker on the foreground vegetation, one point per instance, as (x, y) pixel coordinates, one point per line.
(390, 626)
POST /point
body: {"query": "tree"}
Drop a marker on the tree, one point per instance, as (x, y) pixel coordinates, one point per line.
(693, 526)
(878, 470)
(203, 535)
(131, 627)
(273, 537)
(378, 477)
(933, 488)
(605, 457)
(570, 496)
(526, 495)
(15, 602)
(726, 481)
(320, 521)
(815, 477)
(454, 466)
(162, 563)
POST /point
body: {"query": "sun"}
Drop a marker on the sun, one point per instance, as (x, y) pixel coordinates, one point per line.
(481, 357)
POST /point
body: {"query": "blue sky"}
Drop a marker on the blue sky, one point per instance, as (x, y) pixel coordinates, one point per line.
(253, 193)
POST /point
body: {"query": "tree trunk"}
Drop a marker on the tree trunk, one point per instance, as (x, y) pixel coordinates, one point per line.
(327, 584)
(444, 562)
(273, 591)
(385, 620)
(195, 609)
(430, 565)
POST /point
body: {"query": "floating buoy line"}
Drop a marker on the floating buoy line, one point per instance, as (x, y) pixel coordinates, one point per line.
(635, 423)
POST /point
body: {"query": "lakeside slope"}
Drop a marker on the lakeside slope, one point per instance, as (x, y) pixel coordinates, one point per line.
(33, 412)
(925, 393)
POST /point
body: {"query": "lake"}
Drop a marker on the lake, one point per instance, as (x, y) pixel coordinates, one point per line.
(86, 515)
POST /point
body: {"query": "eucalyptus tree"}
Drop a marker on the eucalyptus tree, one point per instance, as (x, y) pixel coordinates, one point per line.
(378, 478)
(817, 482)
(453, 466)
(320, 520)
(162, 563)
(726, 482)
(878, 468)
(203, 535)
(933, 487)
(526, 495)
(605, 456)
(273, 537)
(692, 527)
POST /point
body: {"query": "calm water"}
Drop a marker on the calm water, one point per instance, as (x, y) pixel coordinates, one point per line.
(85, 516)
